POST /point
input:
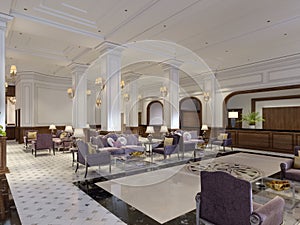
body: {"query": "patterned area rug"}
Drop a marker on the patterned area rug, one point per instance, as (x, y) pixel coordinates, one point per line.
(237, 170)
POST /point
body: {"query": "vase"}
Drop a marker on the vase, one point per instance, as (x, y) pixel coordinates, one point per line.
(252, 126)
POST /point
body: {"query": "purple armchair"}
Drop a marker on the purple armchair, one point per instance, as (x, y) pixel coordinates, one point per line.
(227, 200)
(287, 168)
(30, 135)
(43, 141)
(222, 141)
(167, 150)
(88, 159)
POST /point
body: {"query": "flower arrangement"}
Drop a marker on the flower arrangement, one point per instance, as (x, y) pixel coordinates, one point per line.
(2, 132)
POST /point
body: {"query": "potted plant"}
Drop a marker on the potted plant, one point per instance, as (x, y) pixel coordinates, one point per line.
(252, 118)
(2, 132)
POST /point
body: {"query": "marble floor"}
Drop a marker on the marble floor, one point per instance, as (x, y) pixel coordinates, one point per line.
(44, 192)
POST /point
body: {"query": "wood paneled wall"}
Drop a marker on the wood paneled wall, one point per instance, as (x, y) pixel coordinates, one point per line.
(268, 140)
(282, 118)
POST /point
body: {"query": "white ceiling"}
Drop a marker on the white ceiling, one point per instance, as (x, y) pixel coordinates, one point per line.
(46, 36)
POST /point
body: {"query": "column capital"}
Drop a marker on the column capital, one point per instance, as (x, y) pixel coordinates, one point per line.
(78, 68)
(171, 64)
(4, 18)
(106, 47)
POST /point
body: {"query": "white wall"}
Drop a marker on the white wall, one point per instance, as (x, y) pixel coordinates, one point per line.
(244, 101)
(273, 73)
(43, 100)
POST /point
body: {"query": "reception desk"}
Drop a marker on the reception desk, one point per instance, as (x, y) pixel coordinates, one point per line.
(269, 140)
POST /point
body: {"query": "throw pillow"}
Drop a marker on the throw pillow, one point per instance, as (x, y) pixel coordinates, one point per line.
(297, 162)
(222, 136)
(122, 140)
(168, 141)
(63, 135)
(32, 134)
(187, 136)
(194, 134)
(117, 144)
(110, 142)
(132, 139)
(91, 149)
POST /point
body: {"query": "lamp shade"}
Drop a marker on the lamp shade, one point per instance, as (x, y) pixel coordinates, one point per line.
(79, 133)
(164, 129)
(204, 127)
(233, 115)
(149, 130)
(87, 126)
(52, 127)
(69, 129)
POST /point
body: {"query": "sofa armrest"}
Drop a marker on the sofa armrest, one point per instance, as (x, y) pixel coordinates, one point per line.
(284, 166)
(269, 213)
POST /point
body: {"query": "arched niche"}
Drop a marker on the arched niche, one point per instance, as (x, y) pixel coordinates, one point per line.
(155, 113)
(190, 113)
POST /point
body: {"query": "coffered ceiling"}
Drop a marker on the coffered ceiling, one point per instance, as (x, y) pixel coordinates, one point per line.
(46, 36)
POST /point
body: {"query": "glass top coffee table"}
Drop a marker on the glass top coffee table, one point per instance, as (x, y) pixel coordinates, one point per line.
(269, 187)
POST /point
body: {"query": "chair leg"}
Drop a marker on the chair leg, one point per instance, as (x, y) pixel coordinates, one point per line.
(86, 170)
(109, 167)
(77, 166)
(34, 152)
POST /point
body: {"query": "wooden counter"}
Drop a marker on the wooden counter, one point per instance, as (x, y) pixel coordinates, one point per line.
(269, 140)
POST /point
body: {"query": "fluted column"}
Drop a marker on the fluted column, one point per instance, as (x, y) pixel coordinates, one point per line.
(3, 20)
(110, 61)
(171, 101)
(79, 85)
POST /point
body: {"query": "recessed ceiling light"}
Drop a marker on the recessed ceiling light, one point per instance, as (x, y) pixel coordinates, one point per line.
(285, 34)
(125, 10)
(99, 31)
(206, 43)
(268, 21)
(165, 25)
(226, 51)
(25, 9)
(20, 33)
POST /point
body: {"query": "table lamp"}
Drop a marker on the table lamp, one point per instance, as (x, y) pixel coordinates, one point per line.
(150, 131)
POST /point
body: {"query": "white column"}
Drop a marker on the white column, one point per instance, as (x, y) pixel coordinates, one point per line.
(79, 85)
(3, 20)
(133, 106)
(111, 95)
(171, 101)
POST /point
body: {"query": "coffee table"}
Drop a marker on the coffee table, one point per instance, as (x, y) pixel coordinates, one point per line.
(289, 194)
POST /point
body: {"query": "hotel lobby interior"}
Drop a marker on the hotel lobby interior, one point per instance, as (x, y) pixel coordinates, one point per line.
(117, 112)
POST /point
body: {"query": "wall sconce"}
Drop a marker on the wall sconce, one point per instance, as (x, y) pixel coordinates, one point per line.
(12, 100)
(13, 70)
(206, 96)
(140, 97)
(99, 82)
(126, 97)
(122, 84)
(98, 102)
(163, 91)
(70, 92)
(88, 92)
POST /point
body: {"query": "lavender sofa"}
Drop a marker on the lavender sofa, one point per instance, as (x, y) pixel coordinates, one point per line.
(287, 168)
(227, 200)
(118, 147)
